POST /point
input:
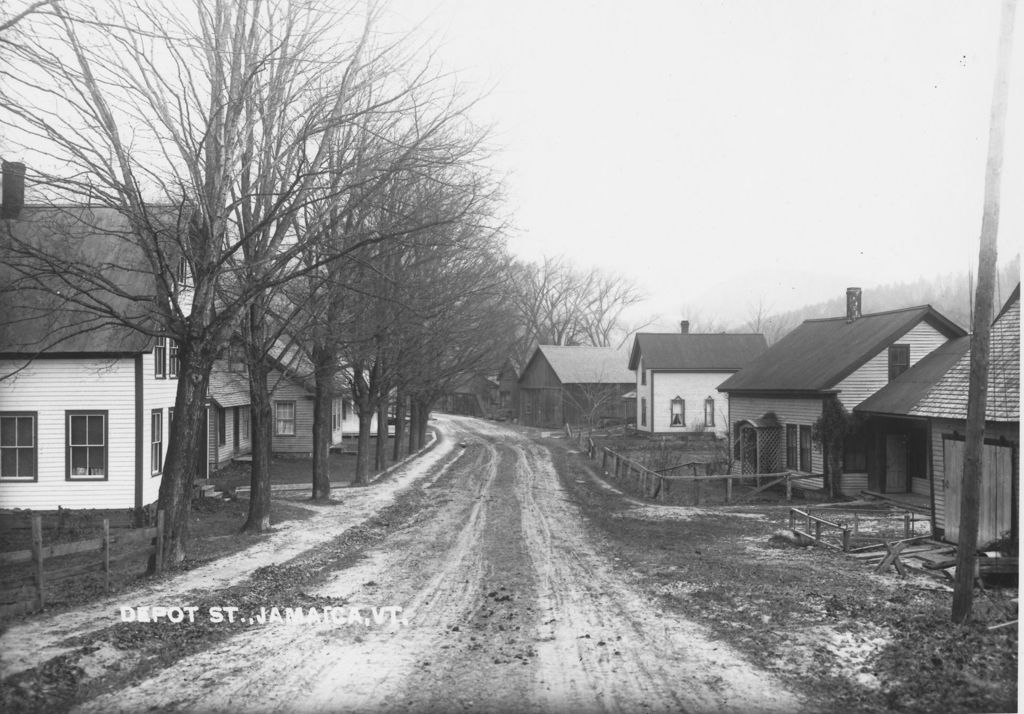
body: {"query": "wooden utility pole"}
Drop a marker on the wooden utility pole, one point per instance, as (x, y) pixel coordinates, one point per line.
(963, 593)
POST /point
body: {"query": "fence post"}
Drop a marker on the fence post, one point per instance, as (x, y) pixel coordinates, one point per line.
(817, 531)
(37, 556)
(728, 489)
(696, 490)
(106, 554)
(906, 525)
(159, 561)
(846, 540)
(789, 487)
(792, 519)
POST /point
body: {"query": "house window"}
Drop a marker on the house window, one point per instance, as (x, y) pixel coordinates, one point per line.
(643, 376)
(160, 358)
(792, 447)
(677, 416)
(805, 448)
(17, 446)
(336, 414)
(156, 444)
(181, 274)
(284, 418)
(899, 360)
(709, 411)
(173, 358)
(643, 411)
(222, 427)
(344, 409)
(86, 445)
(855, 457)
(244, 426)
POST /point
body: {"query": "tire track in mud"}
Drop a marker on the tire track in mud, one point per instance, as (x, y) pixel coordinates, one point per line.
(606, 647)
(316, 668)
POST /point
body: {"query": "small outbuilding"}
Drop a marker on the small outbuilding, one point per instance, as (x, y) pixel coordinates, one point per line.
(576, 385)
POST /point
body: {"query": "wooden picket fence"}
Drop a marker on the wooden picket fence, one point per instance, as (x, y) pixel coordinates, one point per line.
(27, 592)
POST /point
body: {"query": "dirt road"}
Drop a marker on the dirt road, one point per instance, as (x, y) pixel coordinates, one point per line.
(508, 603)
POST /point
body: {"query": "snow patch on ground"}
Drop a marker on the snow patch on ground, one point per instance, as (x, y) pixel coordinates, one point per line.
(31, 643)
(853, 652)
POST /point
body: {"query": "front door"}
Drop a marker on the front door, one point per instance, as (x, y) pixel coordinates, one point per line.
(896, 463)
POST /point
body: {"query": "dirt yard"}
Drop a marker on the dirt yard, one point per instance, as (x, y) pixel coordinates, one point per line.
(502, 573)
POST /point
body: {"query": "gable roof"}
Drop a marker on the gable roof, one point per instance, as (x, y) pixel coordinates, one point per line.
(228, 388)
(937, 386)
(45, 311)
(820, 353)
(586, 365)
(692, 351)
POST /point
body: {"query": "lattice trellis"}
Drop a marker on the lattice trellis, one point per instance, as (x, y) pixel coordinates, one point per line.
(760, 449)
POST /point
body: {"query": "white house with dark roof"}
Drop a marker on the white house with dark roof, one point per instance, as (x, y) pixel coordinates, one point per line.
(923, 412)
(776, 398)
(85, 402)
(677, 377)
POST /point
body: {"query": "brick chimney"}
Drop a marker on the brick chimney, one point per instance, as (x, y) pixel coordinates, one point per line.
(13, 189)
(852, 304)
(684, 327)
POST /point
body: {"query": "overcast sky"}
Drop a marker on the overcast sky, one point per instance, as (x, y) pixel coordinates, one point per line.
(725, 153)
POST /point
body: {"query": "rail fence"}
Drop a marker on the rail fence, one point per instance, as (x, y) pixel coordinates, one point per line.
(699, 485)
(27, 572)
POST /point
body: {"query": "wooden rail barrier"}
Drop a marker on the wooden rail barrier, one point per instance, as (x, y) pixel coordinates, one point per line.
(818, 523)
(132, 543)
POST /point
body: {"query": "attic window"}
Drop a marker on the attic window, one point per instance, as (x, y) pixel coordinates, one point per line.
(899, 360)
(709, 411)
(678, 413)
(181, 273)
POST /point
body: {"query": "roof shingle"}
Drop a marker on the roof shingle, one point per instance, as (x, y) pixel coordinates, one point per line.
(819, 354)
(588, 365)
(694, 351)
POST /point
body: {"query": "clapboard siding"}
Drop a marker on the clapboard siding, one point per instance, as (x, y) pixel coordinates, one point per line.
(788, 410)
(156, 394)
(50, 388)
(941, 428)
(693, 388)
(286, 390)
(874, 374)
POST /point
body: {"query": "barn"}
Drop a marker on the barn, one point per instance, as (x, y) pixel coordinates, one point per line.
(579, 385)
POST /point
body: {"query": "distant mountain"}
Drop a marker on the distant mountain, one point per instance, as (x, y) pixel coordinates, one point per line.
(951, 294)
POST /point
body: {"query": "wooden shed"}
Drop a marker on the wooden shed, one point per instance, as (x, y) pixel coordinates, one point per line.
(576, 385)
(927, 405)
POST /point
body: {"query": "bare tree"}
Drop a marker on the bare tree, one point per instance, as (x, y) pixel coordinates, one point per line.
(561, 305)
(157, 114)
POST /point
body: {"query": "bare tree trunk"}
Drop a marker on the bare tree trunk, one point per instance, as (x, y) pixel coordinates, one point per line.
(380, 453)
(414, 425)
(186, 449)
(325, 366)
(258, 519)
(421, 428)
(396, 451)
(963, 593)
(362, 477)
